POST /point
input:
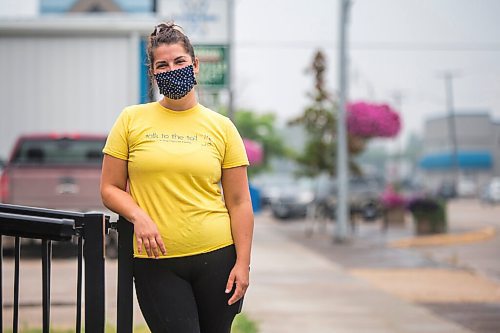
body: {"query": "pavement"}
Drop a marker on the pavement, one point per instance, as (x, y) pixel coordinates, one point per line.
(309, 283)
(377, 282)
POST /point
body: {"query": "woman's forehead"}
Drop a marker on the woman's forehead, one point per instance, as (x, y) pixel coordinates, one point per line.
(170, 51)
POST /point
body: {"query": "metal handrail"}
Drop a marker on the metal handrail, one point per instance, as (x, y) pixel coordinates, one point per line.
(28, 226)
(49, 225)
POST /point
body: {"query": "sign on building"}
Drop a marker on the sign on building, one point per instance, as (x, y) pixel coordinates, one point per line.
(213, 66)
(205, 21)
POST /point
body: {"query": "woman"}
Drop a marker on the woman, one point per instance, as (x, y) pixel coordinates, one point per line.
(192, 244)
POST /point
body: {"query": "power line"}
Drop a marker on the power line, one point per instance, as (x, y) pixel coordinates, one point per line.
(373, 46)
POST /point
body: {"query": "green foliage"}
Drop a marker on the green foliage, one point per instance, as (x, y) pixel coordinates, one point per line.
(260, 128)
(242, 324)
(320, 123)
(429, 215)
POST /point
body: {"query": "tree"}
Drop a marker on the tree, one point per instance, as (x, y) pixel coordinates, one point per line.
(319, 121)
(260, 128)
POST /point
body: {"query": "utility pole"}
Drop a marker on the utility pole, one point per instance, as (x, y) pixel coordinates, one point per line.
(455, 166)
(230, 58)
(398, 102)
(341, 230)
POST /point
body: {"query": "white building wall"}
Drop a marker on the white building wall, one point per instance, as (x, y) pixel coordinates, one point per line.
(474, 131)
(19, 8)
(495, 148)
(65, 84)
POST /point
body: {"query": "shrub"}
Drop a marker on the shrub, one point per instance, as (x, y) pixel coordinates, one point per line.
(429, 215)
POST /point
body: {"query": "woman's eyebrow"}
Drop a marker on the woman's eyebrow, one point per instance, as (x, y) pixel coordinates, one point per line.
(160, 62)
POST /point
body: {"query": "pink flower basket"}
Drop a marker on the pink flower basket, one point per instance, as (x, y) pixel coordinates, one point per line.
(254, 151)
(372, 120)
(392, 199)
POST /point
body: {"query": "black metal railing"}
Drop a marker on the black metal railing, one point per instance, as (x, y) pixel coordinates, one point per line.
(124, 320)
(52, 225)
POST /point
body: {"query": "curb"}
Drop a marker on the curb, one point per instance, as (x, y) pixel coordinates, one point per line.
(445, 239)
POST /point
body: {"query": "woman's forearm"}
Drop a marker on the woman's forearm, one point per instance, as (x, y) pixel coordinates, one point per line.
(242, 229)
(120, 202)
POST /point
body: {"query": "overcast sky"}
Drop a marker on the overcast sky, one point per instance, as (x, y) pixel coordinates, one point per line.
(396, 46)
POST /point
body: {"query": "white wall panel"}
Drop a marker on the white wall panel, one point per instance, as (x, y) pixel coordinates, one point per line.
(64, 84)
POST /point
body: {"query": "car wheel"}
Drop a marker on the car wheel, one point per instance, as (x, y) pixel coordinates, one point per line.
(280, 212)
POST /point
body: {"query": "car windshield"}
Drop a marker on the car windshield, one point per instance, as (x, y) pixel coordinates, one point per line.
(64, 151)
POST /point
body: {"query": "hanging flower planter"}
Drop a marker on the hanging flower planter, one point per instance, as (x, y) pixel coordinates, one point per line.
(356, 143)
(372, 120)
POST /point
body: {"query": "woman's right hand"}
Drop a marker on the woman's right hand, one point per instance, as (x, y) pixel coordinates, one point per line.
(148, 236)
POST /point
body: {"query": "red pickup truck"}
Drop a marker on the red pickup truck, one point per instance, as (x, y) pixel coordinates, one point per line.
(57, 171)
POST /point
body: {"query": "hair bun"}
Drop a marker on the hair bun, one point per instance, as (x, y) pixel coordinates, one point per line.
(163, 28)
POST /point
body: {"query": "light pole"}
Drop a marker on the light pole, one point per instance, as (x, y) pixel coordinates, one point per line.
(341, 231)
(455, 166)
(398, 101)
(230, 58)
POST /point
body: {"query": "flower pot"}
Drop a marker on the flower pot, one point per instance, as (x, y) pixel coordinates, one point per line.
(429, 216)
(394, 216)
(429, 226)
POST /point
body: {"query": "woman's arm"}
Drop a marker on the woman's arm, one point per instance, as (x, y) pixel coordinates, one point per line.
(239, 205)
(114, 196)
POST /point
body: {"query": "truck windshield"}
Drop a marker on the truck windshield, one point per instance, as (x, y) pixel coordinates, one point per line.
(63, 151)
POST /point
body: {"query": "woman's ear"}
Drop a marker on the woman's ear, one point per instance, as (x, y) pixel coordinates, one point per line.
(196, 65)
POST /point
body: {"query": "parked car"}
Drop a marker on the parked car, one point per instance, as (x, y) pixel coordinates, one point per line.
(56, 171)
(447, 190)
(491, 191)
(293, 198)
(270, 187)
(2, 165)
(466, 188)
(364, 194)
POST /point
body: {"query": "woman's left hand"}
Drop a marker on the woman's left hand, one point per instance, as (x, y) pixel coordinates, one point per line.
(240, 276)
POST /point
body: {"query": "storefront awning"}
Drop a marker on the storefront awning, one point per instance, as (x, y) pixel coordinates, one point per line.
(469, 160)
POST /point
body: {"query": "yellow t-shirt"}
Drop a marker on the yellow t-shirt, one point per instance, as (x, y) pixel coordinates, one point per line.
(175, 160)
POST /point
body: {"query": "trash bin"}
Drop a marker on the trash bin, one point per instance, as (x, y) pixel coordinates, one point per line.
(255, 197)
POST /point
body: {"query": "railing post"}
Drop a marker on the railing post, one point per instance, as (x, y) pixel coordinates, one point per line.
(93, 252)
(1, 283)
(17, 257)
(79, 286)
(46, 272)
(124, 322)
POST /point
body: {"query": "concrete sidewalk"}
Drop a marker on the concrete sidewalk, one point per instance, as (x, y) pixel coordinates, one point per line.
(294, 289)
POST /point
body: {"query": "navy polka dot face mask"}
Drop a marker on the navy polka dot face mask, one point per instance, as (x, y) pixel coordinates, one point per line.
(177, 83)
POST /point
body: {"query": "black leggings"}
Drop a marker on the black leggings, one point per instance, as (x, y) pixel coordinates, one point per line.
(187, 294)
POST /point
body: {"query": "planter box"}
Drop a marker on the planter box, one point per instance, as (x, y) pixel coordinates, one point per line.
(428, 226)
(431, 221)
(394, 216)
(429, 215)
